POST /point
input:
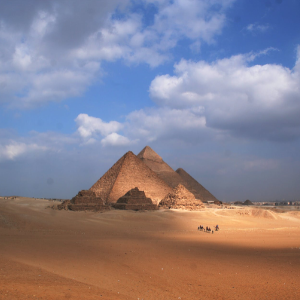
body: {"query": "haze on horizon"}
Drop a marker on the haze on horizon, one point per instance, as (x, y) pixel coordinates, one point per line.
(211, 86)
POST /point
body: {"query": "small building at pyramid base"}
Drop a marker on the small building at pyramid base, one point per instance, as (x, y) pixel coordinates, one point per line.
(84, 200)
(181, 198)
(135, 200)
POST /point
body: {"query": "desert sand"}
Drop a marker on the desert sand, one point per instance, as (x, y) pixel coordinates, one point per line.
(49, 254)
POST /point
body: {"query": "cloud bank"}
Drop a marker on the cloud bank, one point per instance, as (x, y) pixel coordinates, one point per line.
(251, 101)
(53, 50)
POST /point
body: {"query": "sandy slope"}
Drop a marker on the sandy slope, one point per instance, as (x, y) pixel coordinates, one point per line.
(47, 254)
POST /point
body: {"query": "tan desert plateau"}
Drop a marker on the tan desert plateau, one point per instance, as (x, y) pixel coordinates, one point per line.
(122, 254)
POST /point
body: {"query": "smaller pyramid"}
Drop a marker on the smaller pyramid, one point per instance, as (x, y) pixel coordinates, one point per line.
(248, 202)
(238, 203)
(84, 200)
(127, 173)
(180, 197)
(135, 200)
(196, 188)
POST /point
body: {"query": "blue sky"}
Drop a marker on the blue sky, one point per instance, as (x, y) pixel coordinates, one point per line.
(212, 86)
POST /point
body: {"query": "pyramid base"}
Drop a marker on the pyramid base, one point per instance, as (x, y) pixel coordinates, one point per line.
(134, 206)
(89, 207)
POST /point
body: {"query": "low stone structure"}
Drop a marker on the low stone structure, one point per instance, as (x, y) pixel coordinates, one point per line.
(135, 200)
(248, 202)
(84, 200)
(238, 203)
(181, 198)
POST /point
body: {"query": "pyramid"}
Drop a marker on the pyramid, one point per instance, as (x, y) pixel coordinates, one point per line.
(172, 178)
(180, 197)
(248, 202)
(84, 200)
(127, 173)
(162, 169)
(196, 188)
(135, 200)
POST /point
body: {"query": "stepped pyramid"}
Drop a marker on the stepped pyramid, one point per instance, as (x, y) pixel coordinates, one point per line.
(172, 178)
(84, 200)
(127, 173)
(135, 200)
(195, 187)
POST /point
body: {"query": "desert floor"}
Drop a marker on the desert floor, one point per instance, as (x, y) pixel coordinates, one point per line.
(48, 254)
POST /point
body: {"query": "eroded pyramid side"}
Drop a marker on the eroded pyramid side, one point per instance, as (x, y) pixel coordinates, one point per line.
(195, 187)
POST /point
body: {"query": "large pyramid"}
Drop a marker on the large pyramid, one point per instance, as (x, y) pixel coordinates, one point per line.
(172, 178)
(195, 187)
(127, 173)
(162, 169)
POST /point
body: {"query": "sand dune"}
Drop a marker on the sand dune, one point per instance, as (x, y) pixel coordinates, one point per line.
(48, 254)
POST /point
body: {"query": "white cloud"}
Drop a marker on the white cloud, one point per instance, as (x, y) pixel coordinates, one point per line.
(15, 149)
(115, 139)
(90, 126)
(259, 101)
(54, 50)
(255, 27)
(165, 123)
(190, 18)
(36, 143)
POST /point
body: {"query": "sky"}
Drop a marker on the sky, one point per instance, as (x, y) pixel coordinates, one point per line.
(213, 86)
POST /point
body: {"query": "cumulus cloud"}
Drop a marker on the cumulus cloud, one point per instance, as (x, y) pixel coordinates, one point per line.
(164, 123)
(53, 50)
(13, 146)
(115, 139)
(90, 126)
(256, 101)
(14, 149)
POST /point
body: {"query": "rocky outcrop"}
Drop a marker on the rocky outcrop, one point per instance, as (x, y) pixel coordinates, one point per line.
(84, 200)
(180, 197)
(135, 200)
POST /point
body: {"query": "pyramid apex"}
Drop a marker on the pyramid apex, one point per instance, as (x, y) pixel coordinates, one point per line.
(129, 153)
(149, 153)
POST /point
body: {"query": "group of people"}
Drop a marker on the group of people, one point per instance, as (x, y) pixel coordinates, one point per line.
(208, 229)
